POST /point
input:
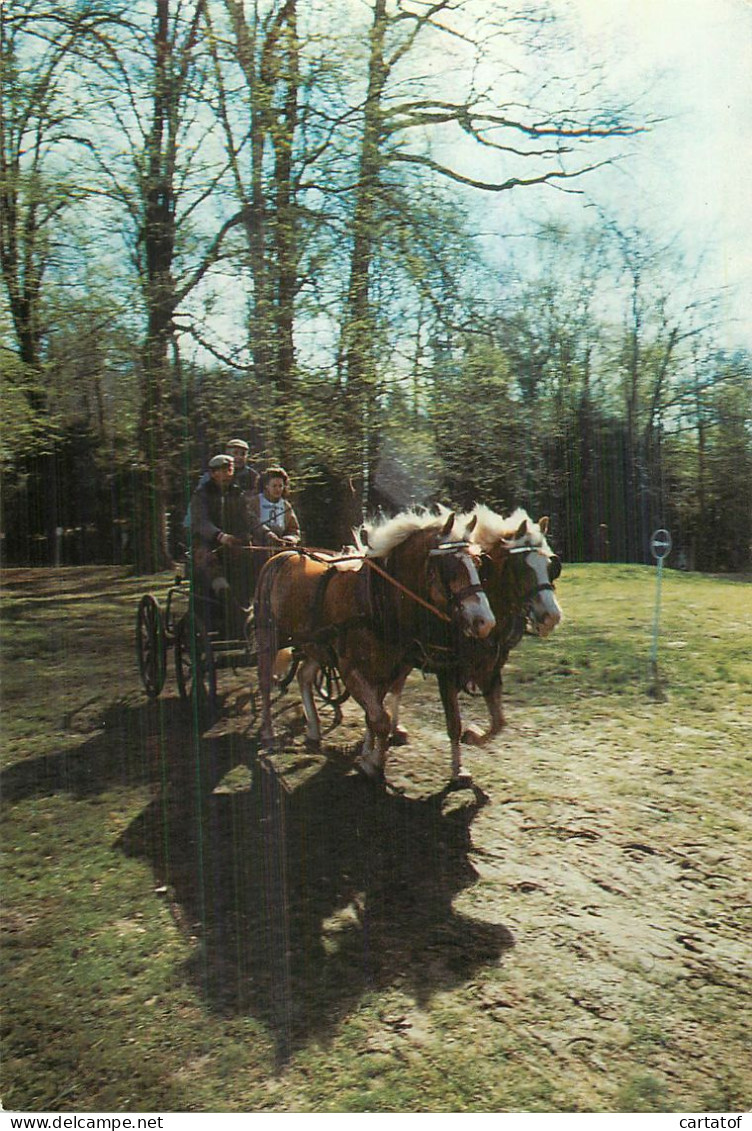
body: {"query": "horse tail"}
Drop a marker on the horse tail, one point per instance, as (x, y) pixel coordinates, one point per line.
(267, 642)
(262, 605)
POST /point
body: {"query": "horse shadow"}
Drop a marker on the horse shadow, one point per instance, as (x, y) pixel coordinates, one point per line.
(303, 901)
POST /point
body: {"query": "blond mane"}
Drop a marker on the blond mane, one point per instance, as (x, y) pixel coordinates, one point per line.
(384, 534)
(491, 528)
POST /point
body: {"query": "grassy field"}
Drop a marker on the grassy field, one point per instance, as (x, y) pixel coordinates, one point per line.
(188, 929)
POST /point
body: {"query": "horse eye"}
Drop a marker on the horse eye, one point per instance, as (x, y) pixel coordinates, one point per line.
(554, 568)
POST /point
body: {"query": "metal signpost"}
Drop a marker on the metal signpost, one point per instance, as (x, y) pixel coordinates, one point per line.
(660, 548)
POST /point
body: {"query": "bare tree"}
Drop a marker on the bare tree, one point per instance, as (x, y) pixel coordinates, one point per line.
(526, 148)
(259, 117)
(160, 181)
(43, 49)
(42, 121)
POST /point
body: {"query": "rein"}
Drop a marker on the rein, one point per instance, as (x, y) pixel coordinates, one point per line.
(324, 558)
(316, 555)
(398, 585)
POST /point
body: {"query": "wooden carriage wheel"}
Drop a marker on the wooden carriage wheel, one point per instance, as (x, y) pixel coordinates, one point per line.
(194, 664)
(151, 645)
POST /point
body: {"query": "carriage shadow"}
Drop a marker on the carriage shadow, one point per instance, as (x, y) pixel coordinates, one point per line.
(301, 900)
(304, 901)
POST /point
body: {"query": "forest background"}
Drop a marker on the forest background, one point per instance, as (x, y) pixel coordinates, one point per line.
(292, 221)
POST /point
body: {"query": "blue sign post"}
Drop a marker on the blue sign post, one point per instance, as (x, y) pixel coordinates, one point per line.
(660, 548)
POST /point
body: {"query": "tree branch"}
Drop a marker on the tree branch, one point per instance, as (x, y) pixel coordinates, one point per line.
(494, 186)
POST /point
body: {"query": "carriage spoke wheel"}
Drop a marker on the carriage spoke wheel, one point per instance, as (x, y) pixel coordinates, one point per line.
(151, 646)
(330, 685)
(194, 664)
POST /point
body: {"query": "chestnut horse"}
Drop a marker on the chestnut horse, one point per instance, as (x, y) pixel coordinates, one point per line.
(518, 571)
(374, 616)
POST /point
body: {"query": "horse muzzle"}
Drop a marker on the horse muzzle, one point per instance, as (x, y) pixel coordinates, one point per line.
(542, 624)
(482, 627)
(476, 615)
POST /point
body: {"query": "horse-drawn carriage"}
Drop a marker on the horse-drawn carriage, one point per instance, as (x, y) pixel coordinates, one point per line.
(451, 595)
(207, 636)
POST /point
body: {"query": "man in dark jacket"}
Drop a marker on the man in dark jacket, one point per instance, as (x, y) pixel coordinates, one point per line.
(220, 528)
(245, 475)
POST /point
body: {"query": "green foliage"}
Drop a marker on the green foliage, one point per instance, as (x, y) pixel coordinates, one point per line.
(264, 213)
(24, 429)
(643, 1093)
(476, 425)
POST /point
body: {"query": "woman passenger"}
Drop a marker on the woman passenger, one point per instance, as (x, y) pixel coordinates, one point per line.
(273, 521)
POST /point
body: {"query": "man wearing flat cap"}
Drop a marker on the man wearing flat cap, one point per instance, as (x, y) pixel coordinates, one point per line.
(245, 476)
(220, 528)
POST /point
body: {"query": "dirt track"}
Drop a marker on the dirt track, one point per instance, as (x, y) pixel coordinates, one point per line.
(569, 934)
(588, 869)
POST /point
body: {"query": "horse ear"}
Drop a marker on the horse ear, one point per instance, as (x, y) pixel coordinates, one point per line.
(447, 526)
(470, 528)
(521, 529)
(543, 523)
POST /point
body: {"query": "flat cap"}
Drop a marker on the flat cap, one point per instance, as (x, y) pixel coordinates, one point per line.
(238, 444)
(220, 461)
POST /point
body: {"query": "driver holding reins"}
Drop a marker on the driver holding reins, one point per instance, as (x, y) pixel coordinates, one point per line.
(220, 526)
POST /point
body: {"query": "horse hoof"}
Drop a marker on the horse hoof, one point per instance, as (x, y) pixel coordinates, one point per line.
(313, 745)
(399, 737)
(371, 773)
(473, 737)
(462, 780)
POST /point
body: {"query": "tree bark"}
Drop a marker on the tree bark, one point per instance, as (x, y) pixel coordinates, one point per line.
(158, 235)
(359, 328)
(283, 129)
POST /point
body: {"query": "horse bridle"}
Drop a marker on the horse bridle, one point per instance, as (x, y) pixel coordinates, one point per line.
(454, 599)
(451, 598)
(554, 571)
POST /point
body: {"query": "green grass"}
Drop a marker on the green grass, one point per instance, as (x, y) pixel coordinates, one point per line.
(167, 949)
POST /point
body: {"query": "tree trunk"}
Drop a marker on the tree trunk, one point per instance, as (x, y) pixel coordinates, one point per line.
(150, 537)
(359, 329)
(286, 229)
